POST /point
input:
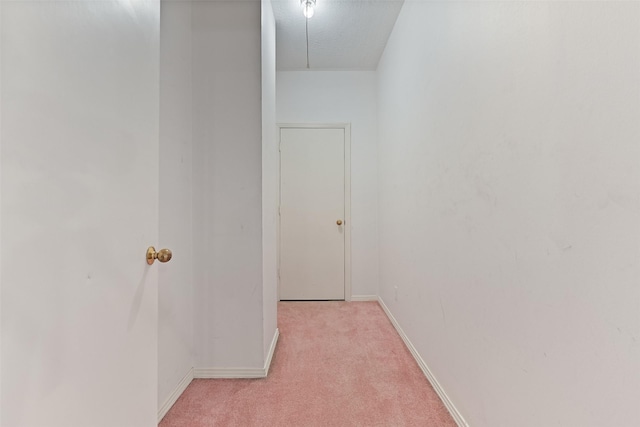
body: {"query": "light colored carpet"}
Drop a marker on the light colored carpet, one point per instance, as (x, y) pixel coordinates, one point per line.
(336, 364)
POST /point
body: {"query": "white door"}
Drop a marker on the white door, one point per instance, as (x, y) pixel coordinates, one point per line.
(79, 170)
(312, 214)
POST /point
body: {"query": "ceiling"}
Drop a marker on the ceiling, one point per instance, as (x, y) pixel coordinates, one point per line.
(343, 34)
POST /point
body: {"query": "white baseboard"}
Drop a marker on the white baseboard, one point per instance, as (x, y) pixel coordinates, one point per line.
(173, 397)
(228, 373)
(240, 372)
(457, 416)
(364, 298)
(272, 349)
(218, 373)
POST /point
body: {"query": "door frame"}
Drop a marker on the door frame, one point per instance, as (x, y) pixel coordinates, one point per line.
(347, 194)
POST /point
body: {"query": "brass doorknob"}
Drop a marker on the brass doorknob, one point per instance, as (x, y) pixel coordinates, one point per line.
(163, 255)
(339, 222)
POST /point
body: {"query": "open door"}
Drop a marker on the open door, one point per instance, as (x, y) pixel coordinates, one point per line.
(79, 207)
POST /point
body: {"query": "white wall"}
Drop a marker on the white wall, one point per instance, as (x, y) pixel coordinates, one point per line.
(227, 136)
(175, 286)
(218, 128)
(509, 207)
(1, 44)
(344, 97)
(269, 176)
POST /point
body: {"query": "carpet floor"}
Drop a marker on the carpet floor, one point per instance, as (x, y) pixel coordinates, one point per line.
(337, 364)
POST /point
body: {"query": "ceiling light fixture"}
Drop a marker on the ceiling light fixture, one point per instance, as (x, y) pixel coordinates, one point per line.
(307, 7)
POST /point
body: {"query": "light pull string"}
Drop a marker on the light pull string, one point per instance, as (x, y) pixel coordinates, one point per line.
(306, 29)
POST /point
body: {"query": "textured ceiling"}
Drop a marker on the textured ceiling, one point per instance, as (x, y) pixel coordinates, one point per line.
(343, 34)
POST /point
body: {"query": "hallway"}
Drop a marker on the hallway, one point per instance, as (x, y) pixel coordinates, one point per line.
(483, 188)
(336, 364)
